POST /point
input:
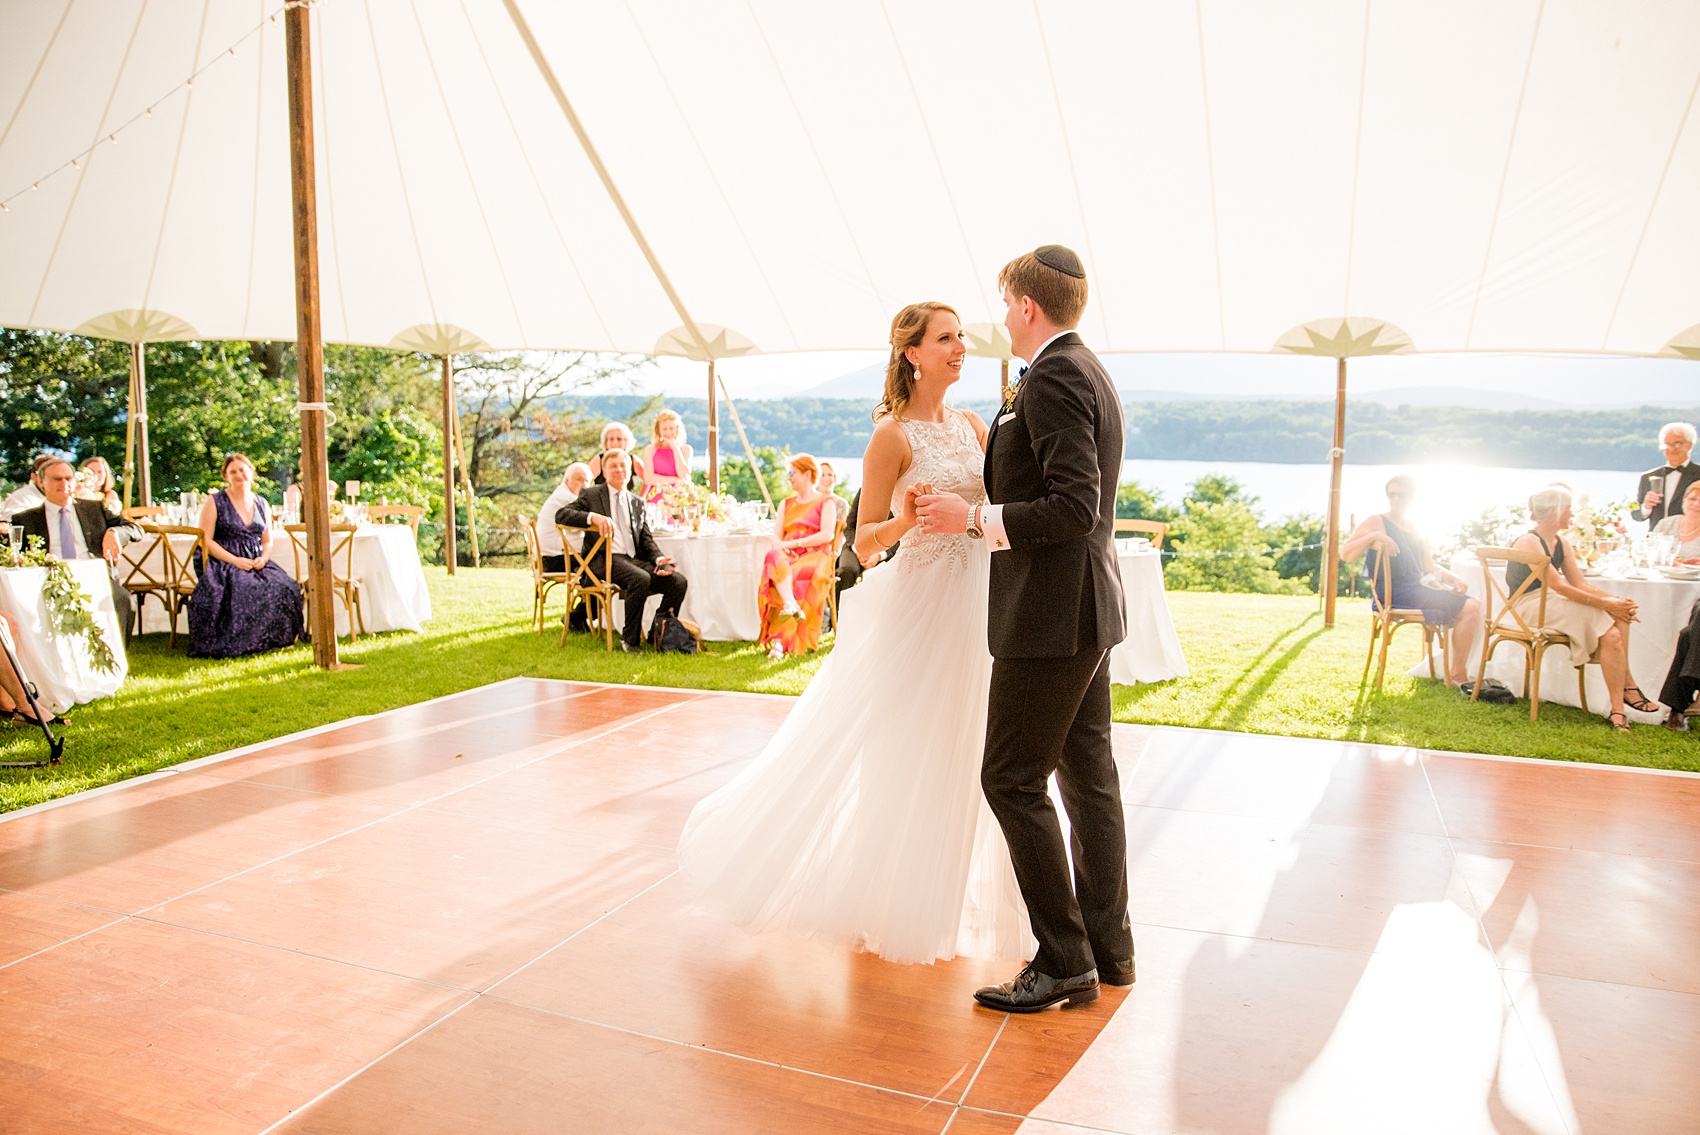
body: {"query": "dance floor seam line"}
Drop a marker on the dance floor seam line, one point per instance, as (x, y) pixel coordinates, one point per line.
(981, 1067)
(488, 990)
(556, 751)
(67, 941)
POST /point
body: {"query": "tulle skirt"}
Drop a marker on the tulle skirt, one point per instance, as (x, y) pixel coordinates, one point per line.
(863, 821)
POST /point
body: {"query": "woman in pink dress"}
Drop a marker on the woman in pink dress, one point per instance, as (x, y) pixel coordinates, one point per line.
(667, 457)
(798, 573)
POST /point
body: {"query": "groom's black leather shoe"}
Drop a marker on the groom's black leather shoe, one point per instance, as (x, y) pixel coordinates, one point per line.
(1032, 991)
(1116, 975)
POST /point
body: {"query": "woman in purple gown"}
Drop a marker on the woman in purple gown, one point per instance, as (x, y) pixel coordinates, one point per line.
(243, 604)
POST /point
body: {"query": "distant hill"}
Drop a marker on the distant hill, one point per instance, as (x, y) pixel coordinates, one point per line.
(1287, 432)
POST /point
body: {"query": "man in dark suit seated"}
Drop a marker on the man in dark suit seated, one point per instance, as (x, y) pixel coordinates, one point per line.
(1660, 492)
(79, 530)
(850, 568)
(639, 569)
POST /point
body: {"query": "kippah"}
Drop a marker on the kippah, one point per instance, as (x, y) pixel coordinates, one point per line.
(1062, 259)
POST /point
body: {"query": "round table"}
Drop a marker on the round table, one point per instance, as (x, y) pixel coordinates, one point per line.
(1663, 605)
(59, 666)
(1151, 652)
(393, 595)
(724, 573)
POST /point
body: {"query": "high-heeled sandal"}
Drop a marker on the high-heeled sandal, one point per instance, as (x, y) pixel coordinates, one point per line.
(19, 717)
(1639, 702)
(1617, 721)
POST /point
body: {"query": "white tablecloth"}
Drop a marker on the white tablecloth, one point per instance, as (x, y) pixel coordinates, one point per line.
(724, 574)
(58, 666)
(393, 596)
(1663, 604)
(1151, 652)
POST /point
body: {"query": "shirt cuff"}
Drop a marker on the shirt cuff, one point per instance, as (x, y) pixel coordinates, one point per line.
(991, 525)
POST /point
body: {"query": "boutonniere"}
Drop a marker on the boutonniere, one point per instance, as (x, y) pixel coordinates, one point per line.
(1014, 389)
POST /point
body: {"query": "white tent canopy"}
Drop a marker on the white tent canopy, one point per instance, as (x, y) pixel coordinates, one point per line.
(1488, 177)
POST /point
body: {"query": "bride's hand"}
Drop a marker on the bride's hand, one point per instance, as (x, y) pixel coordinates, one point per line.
(908, 515)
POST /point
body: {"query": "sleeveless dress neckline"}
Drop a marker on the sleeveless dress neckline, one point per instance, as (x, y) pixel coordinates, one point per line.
(234, 612)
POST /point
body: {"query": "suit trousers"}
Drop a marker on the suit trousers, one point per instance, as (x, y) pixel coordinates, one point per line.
(1053, 715)
(637, 581)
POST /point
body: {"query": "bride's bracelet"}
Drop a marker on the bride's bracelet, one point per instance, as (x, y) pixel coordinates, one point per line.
(884, 547)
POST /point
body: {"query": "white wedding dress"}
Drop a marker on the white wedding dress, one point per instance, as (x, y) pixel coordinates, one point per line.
(862, 821)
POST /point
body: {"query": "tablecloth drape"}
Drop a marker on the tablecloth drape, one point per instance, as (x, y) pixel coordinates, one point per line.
(59, 666)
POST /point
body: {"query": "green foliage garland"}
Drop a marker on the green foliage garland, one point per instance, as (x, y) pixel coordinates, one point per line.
(68, 605)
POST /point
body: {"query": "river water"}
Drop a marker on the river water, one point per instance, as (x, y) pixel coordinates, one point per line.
(1447, 495)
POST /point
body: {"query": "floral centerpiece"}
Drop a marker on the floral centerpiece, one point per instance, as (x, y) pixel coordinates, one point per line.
(1596, 530)
(70, 610)
(685, 500)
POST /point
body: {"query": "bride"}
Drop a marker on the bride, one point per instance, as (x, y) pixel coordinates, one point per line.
(863, 821)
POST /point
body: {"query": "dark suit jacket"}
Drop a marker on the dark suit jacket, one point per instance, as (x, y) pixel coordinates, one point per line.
(599, 499)
(850, 527)
(1653, 480)
(92, 515)
(1053, 462)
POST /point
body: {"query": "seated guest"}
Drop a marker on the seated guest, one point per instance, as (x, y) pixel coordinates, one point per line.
(28, 494)
(1661, 490)
(1594, 620)
(617, 435)
(573, 482)
(243, 604)
(13, 700)
(1409, 562)
(795, 576)
(850, 565)
(1684, 525)
(99, 484)
(828, 479)
(638, 568)
(78, 530)
(667, 457)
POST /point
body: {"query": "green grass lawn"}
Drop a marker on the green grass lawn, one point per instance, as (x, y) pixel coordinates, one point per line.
(1260, 664)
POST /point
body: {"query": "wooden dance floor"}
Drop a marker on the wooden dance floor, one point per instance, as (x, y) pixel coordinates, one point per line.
(462, 917)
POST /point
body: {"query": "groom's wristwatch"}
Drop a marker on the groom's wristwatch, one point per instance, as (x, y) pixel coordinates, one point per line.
(974, 529)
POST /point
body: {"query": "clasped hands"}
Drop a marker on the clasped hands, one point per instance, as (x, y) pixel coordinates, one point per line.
(605, 525)
(936, 513)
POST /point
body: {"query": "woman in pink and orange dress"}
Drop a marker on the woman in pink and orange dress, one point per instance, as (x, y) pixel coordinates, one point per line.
(667, 457)
(798, 573)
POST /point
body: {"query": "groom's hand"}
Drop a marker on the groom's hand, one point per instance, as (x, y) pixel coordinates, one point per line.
(942, 514)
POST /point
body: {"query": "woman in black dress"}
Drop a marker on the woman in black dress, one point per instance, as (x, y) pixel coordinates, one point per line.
(243, 604)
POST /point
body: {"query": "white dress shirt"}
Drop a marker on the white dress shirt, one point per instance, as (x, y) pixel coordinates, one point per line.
(548, 536)
(25, 496)
(991, 515)
(79, 544)
(619, 505)
(1672, 479)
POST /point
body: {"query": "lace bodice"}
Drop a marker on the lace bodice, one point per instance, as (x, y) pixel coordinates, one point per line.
(947, 455)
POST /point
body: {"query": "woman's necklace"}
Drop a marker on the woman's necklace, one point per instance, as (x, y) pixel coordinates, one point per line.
(1686, 532)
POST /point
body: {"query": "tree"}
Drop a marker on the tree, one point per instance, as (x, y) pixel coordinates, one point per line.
(1224, 551)
(62, 392)
(738, 479)
(1135, 502)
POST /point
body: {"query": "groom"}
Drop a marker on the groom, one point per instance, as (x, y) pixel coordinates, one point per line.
(1053, 458)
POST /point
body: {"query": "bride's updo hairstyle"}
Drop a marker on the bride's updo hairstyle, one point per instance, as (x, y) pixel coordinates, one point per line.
(907, 330)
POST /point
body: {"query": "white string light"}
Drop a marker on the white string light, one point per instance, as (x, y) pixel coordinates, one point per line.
(188, 84)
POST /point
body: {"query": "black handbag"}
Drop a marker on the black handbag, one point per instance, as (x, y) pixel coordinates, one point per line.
(669, 634)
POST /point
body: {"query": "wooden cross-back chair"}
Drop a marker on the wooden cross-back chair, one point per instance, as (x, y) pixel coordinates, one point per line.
(1502, 622)
(1384, 620)
(143, 511)
(166, 572)
(542, 582)
(584, 583)
(412, 512)
(1156, 529)
(345, 585)
(837, 548)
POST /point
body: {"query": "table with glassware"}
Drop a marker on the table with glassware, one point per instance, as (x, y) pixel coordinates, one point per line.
(722, 561)
(1151, 652)
(1664, 594)
(58, 664)
(393, 595)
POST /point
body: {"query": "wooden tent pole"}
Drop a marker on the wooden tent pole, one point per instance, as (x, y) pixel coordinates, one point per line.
(749, 453)
(1003, 382)
(310, 346)
(1331, 537)
(713, 433)
(130, 432)
(139, 376)
(449, 418)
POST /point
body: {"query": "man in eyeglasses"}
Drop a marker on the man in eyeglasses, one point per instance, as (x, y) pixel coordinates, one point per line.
(1661, 490)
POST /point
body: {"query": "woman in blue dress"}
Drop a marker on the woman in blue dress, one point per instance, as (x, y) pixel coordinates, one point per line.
(243, 604)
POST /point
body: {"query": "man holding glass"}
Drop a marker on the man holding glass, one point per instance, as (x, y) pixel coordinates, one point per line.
(1661, 490)
(72, 529)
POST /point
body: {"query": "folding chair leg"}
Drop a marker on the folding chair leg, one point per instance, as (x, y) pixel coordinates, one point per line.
(1582, 687)
(1369, 659)
(1534, 684)
(1386, 641)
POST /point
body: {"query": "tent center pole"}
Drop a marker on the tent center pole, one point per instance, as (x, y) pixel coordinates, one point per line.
(310, 346)
(713, 433)
(139, 376)
(1331, 536)
(449, 416)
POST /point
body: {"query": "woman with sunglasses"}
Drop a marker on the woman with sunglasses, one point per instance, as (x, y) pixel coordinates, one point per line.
(1409, 565)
